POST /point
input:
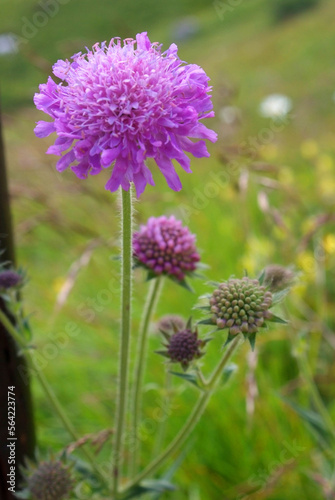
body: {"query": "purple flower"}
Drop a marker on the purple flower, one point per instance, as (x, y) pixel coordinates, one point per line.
(123, 104)
(9, 279)
(183, 346)
(164, 246)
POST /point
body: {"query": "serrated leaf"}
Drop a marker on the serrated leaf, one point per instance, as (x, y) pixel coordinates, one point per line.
(189, 377)
(206, 321)
(277, 319)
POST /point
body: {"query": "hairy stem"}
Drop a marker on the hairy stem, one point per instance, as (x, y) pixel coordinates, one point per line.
(126, 282)
(193, 419)
(148, 311)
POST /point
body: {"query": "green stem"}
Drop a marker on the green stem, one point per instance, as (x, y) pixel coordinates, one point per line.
(149, 309)
(30, 357)
(162, 426)
(193, 419)
(126, 282)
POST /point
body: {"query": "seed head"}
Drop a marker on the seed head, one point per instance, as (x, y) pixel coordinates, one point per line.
(241, 305)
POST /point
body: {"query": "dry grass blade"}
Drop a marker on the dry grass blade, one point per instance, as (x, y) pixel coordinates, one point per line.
(72, 275)
(97, 440)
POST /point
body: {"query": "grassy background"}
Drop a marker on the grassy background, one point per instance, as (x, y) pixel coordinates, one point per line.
(61, 221)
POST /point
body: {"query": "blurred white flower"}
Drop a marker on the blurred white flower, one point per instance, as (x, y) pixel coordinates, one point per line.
(229, 115)
(8, 44)
(275, 106)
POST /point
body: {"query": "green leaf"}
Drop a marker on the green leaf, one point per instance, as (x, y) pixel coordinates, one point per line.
(150, 276)
(25, 494)
(277, 319)
(152, 486)
(229, 339)
(261, 277)
(189, 377)
(313, 420)
(228, 371)
(207, 321)
(252, 340)
(202, 308)
(279, 296)
(163, 353)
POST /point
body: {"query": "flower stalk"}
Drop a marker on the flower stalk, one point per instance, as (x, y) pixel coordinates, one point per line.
(149, 309)
(126, 284)
(31, 362)
(192, 421)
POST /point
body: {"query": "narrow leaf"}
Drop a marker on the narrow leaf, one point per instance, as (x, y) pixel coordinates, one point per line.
(189, 377)
(207, 321)
(252, 340)
(277, 319)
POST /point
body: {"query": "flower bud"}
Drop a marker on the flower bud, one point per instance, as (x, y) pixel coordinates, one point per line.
(241, 305)
(9, 279)
(51, 480)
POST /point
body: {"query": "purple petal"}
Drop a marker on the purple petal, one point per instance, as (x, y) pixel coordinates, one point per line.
(61, 144)
(167, 169)
(143, 42)
(197, 149)
(109, 155)
(43, 129)
(65, 161)
(119, 171)
(82, 169)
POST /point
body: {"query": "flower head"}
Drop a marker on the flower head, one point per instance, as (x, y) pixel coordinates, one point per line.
(123, 104)
(171, 322)
(183, 346)
(164, 246)
(9, 279)
(278, 278)
(240, 305)
(50, 480)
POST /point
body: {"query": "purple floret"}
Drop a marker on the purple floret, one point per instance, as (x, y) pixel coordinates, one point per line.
(123, 104)
(164, 246)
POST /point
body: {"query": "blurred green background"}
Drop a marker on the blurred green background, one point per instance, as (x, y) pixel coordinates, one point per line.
(275, 204)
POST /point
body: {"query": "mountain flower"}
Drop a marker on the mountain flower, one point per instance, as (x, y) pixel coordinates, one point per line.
(118, 105)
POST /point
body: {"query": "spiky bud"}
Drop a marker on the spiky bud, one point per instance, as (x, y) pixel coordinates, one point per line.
(51, 480)
(165, 246)
(241, 305)
(171, 323)
(277, 278)
(9, 279)
(183, 346)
